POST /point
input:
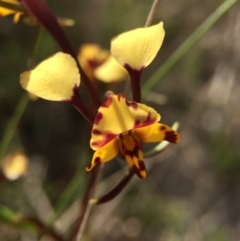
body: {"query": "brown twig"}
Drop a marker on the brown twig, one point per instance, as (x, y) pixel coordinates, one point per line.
(152, 13)
(40, 10)
(85, 205)
(42, 227)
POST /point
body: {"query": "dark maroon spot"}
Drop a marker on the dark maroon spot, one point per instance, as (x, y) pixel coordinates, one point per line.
(120, 96)
(171, 136)
(137, 123)
(137, 171)
(133, 104)
(127, 102)
(163, 128)
(97, 143)
(109, 137)
(96, 132)
(131, 70)
(89, 167)
(107, 102)
(98, 118)
(97, 160)
(141, 165)
(148, 121)
(135, 151)
(143, 67)
(93, 63)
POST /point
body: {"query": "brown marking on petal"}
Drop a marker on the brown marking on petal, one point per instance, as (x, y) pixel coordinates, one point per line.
(93, 63)
(96, 132)
(137, 171)
(97, 144)
(132, 104)
(120, 96)
(109, 137)
(97, 160)
(163, 128)
(130, 69)
(107, 102)
(137, 123)
(147, 122)
(141, 165)
(171, 136)
(98, 118)
(127, 102)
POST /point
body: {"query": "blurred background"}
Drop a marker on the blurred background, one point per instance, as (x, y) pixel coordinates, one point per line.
(193, 189)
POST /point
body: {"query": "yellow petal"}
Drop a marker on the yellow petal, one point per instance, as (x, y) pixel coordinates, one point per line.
(91, 56)
(157, 132)
(137, 48)
(118, 115)
(14, 166)
(104, 154)
(111, 71)
(131, 149)
(6, 11)
(66, 22)
(53, 79)
(17, 16)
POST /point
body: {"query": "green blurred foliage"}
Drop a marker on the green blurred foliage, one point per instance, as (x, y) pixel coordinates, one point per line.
(193, 192)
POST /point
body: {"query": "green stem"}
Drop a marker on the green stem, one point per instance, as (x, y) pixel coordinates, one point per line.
(12, 125)
(22, 103)
(152, 13)
(189, 42)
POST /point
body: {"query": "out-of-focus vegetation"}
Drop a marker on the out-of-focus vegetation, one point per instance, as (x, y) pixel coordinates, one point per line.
(192, 191)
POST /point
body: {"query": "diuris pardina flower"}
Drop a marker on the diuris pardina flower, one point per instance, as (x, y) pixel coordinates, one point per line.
(121, 126)
(99, 64)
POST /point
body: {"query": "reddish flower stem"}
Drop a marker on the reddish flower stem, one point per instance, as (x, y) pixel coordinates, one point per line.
(42, 227)
(77, 102)
(40, 10)
(135, 76)
(116, 190)
(85, 205)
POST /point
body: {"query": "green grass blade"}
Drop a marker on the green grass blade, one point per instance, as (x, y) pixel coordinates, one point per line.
(189, 42)
(12, 125)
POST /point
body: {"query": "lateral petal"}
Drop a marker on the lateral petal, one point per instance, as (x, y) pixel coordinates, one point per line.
(53, 79)
(137, 48)
(104, 154)
(157, 132)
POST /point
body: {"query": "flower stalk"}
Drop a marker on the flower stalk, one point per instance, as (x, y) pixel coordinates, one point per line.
(40, 10)
(77, 102)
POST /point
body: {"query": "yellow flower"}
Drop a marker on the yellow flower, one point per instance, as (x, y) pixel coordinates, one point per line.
(4, 11)
(15, 7)
(98, 63)
(137, 48)
(111, 71)
(53, 79)
(122, 126)
(15, 166)
(90, 56)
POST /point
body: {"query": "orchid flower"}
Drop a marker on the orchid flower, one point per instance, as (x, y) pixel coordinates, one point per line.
(99, 64)
(121, 126)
